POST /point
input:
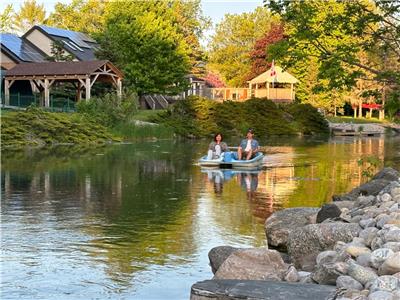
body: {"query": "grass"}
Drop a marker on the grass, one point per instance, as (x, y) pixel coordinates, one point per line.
(354, 120)
(146, 115)
(132, 131)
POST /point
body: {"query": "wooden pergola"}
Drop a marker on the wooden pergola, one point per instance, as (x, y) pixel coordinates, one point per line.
(82, 74)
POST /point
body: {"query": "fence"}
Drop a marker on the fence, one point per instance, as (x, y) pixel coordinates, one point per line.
(56, 104)
(242, 94)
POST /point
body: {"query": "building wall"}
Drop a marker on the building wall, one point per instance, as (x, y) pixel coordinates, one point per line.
(40, 40)
(6, 62)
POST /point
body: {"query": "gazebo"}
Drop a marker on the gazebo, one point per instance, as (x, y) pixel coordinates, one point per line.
(275, 87)
(83, 74)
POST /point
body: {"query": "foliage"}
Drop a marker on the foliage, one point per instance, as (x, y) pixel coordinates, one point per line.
(36, 127)
(259, 56)
(214, 80)
(132, 131)
(199, 117)
(109, 110)
(335, 32)
(79, 15)
(370, 165)
(392, 106)
(142, 38)
(58, 53)
(29, 15)
(233, 41)
(7, 19)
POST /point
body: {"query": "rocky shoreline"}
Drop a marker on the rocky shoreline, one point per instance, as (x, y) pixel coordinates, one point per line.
(348, 249)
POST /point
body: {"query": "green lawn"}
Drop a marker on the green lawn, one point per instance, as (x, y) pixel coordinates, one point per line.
(146, 114)
(354, 120)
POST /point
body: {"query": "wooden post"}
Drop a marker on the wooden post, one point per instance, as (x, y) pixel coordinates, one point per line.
(79, 92)
(355, 111)
(360, 108)
(291, 91)
(250, 92)
(268, 90)
(6, 92)
(88, 87)
(119, 87)
(256, 92)
(46, 93)
(225, 95)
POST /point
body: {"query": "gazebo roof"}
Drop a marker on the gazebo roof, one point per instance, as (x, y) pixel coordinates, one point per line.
(60, 68)
(281, 76)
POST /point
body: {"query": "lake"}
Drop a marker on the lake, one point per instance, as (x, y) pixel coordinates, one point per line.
(136, 221)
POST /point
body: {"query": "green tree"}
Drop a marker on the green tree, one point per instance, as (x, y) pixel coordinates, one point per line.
(143, 39)
(58, 53)
(233, 41)
(7, 19)
(335, 32)
(79, 15)
(29, 15)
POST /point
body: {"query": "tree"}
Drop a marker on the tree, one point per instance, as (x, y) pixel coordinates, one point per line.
(259, 55)
(80, 15)
(335, 32)
(212, 79)
(143, 39)
(29, 15)
(233, 41)
(58, 53)
(7, 19)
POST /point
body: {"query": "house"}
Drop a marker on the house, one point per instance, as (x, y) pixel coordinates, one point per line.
(77, 44)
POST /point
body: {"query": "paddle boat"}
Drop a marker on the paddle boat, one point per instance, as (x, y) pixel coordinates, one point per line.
(229, 160)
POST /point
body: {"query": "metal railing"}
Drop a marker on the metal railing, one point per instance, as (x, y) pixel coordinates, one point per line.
(19, 100)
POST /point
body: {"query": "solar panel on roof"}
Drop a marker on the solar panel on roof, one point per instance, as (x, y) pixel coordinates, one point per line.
(77, 37)
(20, 48)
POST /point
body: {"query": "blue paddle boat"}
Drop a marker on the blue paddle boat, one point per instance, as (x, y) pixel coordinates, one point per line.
(229, 160)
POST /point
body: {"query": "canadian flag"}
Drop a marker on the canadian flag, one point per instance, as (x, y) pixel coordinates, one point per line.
(273, 72)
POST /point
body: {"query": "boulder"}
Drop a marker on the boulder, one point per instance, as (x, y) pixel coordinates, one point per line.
(281, 223)
(252, 289)
(381, 295)
(254, 264)
(218, 255)
(371, 188)
(379, 256)
(348, 283)
(388, 174)
(391, 265)
(360, 273)
(385, 283)
(328, 211)
(304, 244)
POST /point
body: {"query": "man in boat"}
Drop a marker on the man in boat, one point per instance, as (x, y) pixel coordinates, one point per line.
(217, 147)
(248, 147)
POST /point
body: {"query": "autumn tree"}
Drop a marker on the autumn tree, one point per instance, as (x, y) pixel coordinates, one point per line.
(7, 20)
(233, 41)
(29, 15)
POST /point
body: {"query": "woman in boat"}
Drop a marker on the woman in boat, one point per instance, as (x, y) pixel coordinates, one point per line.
(217, 147)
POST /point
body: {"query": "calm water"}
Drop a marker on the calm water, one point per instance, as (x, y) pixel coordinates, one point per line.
(137, 221)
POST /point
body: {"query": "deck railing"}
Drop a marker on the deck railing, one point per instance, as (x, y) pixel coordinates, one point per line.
(242, 94)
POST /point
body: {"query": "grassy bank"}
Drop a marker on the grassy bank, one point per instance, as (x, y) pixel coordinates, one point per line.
(355, 120)
(198, 117)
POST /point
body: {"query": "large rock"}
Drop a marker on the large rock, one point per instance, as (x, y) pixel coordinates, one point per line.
(254, 264)
(388, 174)
(328, 211)
(372, 187)
(391, 265)
(218, 255)
(252, 289)
(305, 243)
(281, 223)
(360, 273)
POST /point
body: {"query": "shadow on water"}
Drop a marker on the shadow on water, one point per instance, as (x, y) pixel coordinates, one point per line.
(138, 220)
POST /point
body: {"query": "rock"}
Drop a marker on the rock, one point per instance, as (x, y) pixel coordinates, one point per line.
(385, 283)
(254, 264)
(348, 283)
(395, 246)
(328, 211)
(291, 275)
(381, 220)
(304, 244)
(379, 256)
(281, 223)
(364, 260)
(364, 201)
(376, 243)
(394, 207)
(386, 197)
(367, 223)
(328, 273)
(266, 290)
(361, 274)
(355, 250)
(368, 234)
(391, 265)
(325, 257)
(388, 174)
(395, 192)
(218, 255)
(392, 235)
(344, 204)
(381, 295)
(371, 188)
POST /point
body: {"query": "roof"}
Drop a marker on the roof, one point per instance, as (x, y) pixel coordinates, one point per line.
(77, 43)
(281, 76)
(60, 68)
(20, 49)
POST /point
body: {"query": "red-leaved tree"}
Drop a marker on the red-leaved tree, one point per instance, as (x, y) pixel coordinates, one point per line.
(213, 80)
(259, 54)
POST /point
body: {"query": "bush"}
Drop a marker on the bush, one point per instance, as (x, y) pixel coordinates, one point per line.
(110, 109)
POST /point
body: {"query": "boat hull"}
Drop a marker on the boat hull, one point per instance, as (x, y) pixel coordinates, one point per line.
(253, 163)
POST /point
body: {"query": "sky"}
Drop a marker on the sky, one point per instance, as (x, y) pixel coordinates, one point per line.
(215, 9)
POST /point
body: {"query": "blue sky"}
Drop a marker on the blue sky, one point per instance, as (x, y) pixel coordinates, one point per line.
(215, 9)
